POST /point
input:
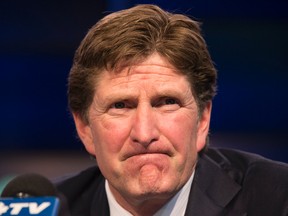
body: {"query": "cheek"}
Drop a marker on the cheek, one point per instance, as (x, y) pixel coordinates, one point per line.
(181, 131)
(109, 135)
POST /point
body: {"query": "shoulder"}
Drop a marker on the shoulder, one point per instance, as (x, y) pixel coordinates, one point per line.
(80, 188)
(263, 182)
(257, 185)
(79, 181)
(245, 162)
(248, 165)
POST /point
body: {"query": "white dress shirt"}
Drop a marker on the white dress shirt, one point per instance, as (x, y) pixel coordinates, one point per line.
(175, 207)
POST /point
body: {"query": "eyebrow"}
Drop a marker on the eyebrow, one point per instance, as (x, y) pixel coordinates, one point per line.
(124, 95)
(114, 97)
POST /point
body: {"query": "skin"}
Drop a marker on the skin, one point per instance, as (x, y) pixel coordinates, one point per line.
(145, 131)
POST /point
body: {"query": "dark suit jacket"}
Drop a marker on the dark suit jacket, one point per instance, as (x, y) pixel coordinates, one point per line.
(226, 183)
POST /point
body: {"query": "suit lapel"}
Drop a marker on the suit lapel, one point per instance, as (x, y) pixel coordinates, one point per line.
(100, 206)
(212, 190)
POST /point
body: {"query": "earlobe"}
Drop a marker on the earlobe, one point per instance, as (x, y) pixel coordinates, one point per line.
(203, 127)
(84, 133)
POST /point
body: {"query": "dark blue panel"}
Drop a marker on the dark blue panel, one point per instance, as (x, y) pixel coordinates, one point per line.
(247, 40)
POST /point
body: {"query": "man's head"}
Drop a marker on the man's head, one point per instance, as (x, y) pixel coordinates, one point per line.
(140, 91)
(130, 36)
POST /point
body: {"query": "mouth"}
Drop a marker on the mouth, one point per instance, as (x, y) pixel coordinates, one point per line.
(146, 154)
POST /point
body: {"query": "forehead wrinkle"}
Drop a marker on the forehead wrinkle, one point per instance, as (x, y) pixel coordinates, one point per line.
(163, 89)
(148, 65)
(153, 69)
(124, 82)
(146, 68)
(120, 81)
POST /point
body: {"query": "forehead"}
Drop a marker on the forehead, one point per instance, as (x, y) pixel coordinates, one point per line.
(154, 68)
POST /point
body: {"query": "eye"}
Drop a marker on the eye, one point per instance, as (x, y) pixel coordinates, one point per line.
(119, 105)
(118, 108)
(170, 101)
(167, 103)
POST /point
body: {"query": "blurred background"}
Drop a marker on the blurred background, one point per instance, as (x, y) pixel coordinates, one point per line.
(248, 41)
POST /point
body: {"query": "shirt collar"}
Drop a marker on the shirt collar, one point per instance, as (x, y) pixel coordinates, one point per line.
(175, 207)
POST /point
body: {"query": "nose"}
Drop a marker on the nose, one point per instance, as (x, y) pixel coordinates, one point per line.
(144, 126)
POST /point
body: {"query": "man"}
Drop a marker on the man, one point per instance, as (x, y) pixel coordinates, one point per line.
(140, 91)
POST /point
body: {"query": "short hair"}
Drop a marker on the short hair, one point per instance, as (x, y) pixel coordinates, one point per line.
(129, 36)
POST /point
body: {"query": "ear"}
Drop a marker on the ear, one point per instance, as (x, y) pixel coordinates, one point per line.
(84, 132)
(203, 126)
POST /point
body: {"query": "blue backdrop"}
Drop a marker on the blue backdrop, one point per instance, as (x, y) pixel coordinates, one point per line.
(247, 40)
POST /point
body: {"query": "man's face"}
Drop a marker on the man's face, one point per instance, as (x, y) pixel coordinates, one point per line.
(144, 130)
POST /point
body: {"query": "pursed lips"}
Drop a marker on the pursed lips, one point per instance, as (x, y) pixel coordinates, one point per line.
(146, 153)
